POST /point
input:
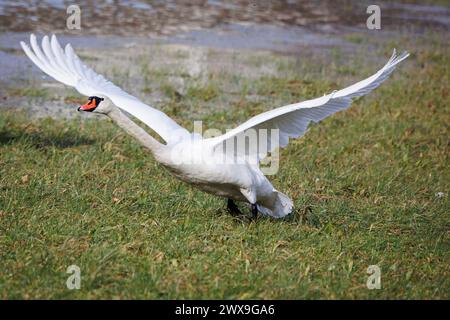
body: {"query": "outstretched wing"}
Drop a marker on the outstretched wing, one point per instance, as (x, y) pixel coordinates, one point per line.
(66, 67)
(292, 120)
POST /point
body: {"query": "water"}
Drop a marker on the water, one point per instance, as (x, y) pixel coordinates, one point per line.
(150, 18)
(282, 26)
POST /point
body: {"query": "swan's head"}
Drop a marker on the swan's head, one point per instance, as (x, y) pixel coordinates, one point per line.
(97, 104)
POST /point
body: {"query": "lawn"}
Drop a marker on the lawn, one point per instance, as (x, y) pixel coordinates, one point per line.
(370, 186)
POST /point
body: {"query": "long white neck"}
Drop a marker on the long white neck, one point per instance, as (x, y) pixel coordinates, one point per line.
(157, 120)
(135, 131)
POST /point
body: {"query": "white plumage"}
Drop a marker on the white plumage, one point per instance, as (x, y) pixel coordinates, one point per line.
(239, 179)
(292, 120)
(66, 67)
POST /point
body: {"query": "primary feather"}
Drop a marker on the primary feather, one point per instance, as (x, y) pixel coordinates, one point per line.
(65, 66)
(292, 120)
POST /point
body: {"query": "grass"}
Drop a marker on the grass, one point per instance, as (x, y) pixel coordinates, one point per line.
(364, 184)
(29, 92)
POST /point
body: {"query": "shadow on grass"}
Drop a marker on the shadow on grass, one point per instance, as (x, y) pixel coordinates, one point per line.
(302, 216)
(40, 140)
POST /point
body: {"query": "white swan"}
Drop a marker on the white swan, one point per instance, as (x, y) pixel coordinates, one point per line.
(237, 178)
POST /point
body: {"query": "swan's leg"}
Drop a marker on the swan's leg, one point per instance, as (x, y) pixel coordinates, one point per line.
(250, 195)
(233, 208)
(254, 211)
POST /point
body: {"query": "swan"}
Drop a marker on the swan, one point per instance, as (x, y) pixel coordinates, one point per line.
(233, 173)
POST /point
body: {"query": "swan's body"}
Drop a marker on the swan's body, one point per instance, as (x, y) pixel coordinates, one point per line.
(190, 157)
(241, 182)
(238, 181)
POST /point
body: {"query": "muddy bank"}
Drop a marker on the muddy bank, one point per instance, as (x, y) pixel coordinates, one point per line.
(199, 39)
(153, 18)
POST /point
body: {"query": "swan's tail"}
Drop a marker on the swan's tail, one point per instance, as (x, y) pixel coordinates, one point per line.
(282, 206)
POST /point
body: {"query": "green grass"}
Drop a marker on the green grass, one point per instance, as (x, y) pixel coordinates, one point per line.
(29, 92)
(363, 182)
(205, 93)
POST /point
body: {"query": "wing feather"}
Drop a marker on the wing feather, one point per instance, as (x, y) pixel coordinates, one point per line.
(292, 120)
(59, 55)
(37, 50)
(70, 60)
(66, 67)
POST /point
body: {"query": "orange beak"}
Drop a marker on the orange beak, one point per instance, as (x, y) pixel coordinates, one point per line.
(88, 106)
